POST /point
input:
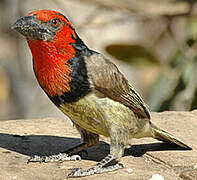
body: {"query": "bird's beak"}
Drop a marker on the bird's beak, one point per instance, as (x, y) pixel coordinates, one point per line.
(32, 28)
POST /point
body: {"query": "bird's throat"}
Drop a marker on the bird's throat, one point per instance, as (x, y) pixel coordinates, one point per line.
(51, 67)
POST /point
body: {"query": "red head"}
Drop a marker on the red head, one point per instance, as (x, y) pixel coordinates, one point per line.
(50, 37)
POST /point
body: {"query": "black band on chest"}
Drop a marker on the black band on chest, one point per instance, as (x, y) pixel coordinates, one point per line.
(79, 83)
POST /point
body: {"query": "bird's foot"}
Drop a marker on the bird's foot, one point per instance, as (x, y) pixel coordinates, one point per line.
(101, 167)
(54, 158)
(78, 172)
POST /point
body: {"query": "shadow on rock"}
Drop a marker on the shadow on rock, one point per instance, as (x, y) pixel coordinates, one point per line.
(141, 149)
(49, 145)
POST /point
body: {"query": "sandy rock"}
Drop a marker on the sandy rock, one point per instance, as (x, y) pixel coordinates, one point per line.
(20, 139)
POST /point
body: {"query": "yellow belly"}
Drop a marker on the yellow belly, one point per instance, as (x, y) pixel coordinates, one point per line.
(85, 113)
(101, 115)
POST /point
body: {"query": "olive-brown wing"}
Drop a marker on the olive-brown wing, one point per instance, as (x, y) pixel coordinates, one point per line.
(108, 80)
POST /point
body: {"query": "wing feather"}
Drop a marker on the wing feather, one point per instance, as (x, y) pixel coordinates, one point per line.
(108, 80)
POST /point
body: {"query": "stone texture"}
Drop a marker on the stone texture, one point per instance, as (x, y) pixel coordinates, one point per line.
(22, 138)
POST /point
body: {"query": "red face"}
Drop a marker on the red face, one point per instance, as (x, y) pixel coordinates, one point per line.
(50, 37)
(45, 25)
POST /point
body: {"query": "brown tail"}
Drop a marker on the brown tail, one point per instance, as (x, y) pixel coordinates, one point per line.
(166, 137)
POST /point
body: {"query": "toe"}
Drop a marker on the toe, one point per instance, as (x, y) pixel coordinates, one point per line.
(75, 172)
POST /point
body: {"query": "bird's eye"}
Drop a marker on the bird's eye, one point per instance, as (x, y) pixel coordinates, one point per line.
(55, 22)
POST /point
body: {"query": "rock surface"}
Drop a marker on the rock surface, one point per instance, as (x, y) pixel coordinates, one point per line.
(145, 159)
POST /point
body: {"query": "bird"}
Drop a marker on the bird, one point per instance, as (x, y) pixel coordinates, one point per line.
(89, 89)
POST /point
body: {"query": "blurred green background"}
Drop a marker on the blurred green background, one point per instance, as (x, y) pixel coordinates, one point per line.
(153, 42)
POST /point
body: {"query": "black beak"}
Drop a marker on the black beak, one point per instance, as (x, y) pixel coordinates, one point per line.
(32, 28)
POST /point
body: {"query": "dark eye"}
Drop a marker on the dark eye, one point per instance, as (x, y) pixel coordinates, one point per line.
(55, 22)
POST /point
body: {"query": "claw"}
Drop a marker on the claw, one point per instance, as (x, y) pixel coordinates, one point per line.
(75, 158)
(74, 172)
(36, 158)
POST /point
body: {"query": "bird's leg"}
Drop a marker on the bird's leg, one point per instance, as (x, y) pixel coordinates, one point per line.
(109, 163)
(89, 139)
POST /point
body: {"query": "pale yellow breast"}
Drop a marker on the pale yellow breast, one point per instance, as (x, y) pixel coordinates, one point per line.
(100, 115)
(85, 112)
